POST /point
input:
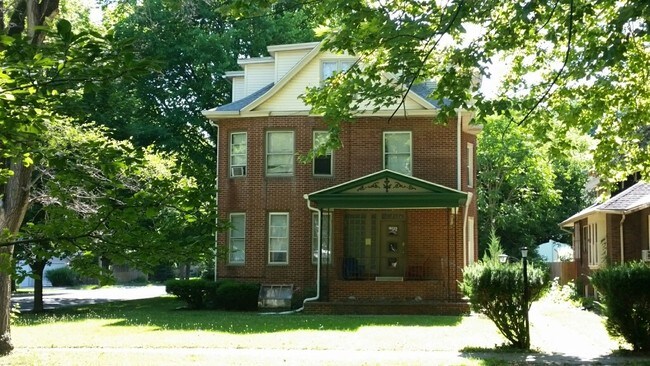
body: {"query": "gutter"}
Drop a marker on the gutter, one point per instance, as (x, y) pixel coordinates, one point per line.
(458, 158)
(320, 252)
(620, 228)
(469, 200)
(216, 207)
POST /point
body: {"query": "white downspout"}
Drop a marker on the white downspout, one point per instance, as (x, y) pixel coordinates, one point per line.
(621, 233)
(469, 200)
(458, 154)
(320, 253)
(216, 207)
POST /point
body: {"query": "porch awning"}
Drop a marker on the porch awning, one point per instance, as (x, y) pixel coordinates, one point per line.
(387, 189)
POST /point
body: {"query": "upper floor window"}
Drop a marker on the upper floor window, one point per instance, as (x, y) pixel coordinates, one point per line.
(238, 154)
(325, 235)
(279, 152)
(322, 163)
(470, 165)
(593, 247)
(278, 238)
(237, 238)
(329, 68)
(398, 152)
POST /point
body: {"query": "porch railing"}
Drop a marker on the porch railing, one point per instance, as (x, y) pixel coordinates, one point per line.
(367, 268)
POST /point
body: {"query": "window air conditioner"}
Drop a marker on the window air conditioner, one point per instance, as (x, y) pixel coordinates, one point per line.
(645, 255)
(237, 171)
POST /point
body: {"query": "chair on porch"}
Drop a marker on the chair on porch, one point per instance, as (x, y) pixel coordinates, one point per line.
(352, 270)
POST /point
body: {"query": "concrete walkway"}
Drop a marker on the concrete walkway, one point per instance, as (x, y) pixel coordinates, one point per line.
(56, 297)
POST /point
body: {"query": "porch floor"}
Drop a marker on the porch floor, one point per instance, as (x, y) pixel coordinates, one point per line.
(388, 307)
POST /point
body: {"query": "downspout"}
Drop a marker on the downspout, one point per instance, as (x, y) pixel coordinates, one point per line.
(469, 201)
(458, 157)
(621, 233)
(320, 254)
(216, 207)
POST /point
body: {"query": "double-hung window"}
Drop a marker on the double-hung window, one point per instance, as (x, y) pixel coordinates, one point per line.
(238, 154)
(329, 68)
(323, 162)
(325, 235)
(278, 238)
(593, 245)
(398, 152)
(237, 239)
(279, 153)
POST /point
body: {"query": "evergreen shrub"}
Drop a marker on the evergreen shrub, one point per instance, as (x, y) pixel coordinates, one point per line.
(62, 277)
(625, 290)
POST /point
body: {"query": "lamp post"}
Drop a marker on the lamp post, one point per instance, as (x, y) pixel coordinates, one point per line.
(524, 260)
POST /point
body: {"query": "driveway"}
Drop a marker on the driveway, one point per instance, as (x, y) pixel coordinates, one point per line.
(56, 297)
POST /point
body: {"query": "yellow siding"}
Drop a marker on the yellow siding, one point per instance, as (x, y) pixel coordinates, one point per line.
(286, 99)
(238, 88)
(258, 76)
(285, 61)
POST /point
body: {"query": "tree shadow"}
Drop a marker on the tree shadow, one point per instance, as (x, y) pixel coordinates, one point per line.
(498, 357)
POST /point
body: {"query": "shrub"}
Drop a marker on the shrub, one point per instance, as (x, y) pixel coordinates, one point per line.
(496, 290)
(238, 296)
(62, 277)
(625, 290)
(196, 292)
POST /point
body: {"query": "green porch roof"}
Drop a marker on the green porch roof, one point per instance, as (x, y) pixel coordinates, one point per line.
(387, 189)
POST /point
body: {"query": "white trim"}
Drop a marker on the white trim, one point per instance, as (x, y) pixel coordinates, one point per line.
(266, 154)
(255, 60)
(230, 238)
(384, 153)
(233, 167)
(470, 165)
(291, 47)
(286, 214)
(316, 220)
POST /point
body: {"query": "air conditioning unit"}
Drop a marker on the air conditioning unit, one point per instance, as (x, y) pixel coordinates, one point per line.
(645, 255)
(237, 171)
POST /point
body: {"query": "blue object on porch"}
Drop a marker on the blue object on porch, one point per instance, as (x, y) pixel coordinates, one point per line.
(352, 270)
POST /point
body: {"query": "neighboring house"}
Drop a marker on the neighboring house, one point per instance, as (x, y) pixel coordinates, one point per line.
(554, 251)
(612, 232)
(54, 263)
(393, 210)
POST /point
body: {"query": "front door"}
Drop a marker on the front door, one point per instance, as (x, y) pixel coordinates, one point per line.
(392, 248)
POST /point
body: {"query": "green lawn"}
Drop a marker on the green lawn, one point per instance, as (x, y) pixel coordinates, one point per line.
(158, 331)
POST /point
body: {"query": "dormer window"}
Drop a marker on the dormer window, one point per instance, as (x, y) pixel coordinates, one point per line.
(329, 68)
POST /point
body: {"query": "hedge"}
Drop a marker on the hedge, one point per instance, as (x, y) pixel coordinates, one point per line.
(625, 290)
(205, 294)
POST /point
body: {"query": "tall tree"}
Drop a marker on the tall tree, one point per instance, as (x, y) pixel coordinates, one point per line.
(524, 190)
(38, 66)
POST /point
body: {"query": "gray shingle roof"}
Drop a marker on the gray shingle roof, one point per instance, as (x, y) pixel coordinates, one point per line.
(238, 105)
(630, 200)
(424, 90)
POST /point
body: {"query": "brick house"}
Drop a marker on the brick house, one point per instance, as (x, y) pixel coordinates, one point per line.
(615, 231)
(393, 211)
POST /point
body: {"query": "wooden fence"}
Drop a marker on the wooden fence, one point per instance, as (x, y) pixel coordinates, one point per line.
(565, 271)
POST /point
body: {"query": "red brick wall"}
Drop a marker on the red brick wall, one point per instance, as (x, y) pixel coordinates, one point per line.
(434, 159)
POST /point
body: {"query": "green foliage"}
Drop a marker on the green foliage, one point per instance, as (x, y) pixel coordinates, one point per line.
(193, 292)
(494, 249)
(523, 189)
(206, 294)
(238, 296)
(626, 292)
(63, 277)
(578, 62)
(496, 290)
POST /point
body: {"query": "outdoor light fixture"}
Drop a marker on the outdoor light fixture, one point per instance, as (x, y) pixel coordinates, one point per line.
(524, 260)
(503, 258)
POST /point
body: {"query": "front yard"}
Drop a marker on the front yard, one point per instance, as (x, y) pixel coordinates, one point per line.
(153, 331)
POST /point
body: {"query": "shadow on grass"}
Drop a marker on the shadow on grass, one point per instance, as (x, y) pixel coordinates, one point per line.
(165, 313)
(501, 356)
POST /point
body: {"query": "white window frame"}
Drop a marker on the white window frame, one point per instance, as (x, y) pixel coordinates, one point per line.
(274, 238)
(238, 167)
(328, 153)
(327, 243)
(270, 153)
(232, 237)
(342, 65)
(385, 153)
(593, 247)
(470, 165)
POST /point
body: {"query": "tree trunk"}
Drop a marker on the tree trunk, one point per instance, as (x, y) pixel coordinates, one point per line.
(12, 211)
(37, 269)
